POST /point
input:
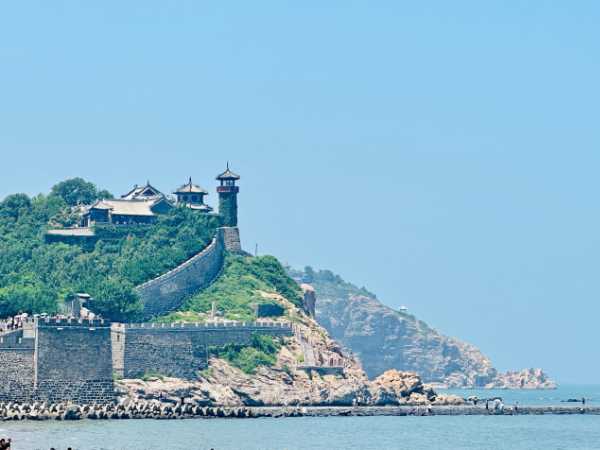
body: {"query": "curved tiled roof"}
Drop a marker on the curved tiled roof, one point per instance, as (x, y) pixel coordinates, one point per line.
(189, 187)
(136, 207)
(228, 175)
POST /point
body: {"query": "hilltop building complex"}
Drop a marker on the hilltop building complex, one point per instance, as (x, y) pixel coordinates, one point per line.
(143, 204)
(56, 359)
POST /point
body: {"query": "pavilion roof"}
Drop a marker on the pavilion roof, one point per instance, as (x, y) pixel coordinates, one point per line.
(189, 187)
(228, 175)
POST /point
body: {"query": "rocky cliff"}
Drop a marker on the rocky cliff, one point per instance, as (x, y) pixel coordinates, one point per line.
(383, 338)
(310, 369)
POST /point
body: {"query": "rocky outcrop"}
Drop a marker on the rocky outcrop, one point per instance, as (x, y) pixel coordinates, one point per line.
(293, 380)
(525, 379)
(226, 386)
(309, 299)
(383, 338)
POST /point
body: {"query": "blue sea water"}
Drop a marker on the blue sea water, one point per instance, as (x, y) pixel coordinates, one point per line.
(591, 393)
(548, 432)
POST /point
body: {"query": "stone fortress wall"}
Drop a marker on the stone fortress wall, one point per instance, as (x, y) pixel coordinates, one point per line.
(73, 361)
(179, 350)
(168, 291)
(231, 236)
(16, 366)
(64, 360)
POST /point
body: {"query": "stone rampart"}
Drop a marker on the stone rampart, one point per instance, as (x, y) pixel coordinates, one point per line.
(16, 367)
(179, 350)
(168, 291)
(73, 361)
(231, 236)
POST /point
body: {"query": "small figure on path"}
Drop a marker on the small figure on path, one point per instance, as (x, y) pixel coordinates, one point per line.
(583, 400)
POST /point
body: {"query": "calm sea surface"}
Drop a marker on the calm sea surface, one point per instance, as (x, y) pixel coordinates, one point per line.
(576, 432)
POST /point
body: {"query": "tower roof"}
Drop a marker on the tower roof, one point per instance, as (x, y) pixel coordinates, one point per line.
(190, 188)
(228, 175)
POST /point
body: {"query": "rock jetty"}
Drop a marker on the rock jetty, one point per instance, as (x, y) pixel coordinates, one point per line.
(164, 411)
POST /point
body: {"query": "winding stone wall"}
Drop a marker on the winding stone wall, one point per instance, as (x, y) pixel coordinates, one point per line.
(179, 350)
(168, 291)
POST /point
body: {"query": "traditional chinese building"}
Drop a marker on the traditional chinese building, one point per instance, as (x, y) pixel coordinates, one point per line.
(139, 206)
(142, 205)
(192, 196)
(228, 191)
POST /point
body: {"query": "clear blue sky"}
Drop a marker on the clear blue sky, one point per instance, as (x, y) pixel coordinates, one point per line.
(444, 154)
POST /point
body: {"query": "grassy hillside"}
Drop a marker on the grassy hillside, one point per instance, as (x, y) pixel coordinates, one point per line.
(36, 276)
(240, 285)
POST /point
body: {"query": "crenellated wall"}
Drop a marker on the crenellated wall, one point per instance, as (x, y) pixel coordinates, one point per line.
(63, 360)
(178, 350)
(168, 291)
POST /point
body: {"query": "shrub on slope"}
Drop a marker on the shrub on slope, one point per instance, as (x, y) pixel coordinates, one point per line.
(238, 288)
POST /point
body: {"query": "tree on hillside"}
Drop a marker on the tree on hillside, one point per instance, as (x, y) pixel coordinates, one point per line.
(76, 190)
(15, 205)
(28, 297)
(104, 195)
(116, 299)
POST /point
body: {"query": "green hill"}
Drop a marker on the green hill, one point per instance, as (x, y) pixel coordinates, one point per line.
(37, 276)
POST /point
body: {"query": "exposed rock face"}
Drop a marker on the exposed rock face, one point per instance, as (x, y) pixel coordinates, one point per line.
(293, 380)
(309, 301)
(525, 379)
(229, 387)
(383, 339)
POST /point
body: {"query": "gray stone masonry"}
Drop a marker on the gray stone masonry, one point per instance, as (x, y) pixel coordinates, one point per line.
(178, 350)
(16, 367)
(168, 291)
(233, 243)
(57, 360)
(73, 361)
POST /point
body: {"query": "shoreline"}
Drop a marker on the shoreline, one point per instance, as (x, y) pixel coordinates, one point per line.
(75, 413)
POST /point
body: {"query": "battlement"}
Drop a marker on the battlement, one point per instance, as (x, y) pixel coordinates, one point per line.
(14, 340)
(55, 322)
(205, 326)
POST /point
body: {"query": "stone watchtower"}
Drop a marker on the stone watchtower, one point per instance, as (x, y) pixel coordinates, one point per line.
(228, 192)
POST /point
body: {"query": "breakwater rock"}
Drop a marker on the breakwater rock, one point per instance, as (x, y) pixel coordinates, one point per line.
(165, 411)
